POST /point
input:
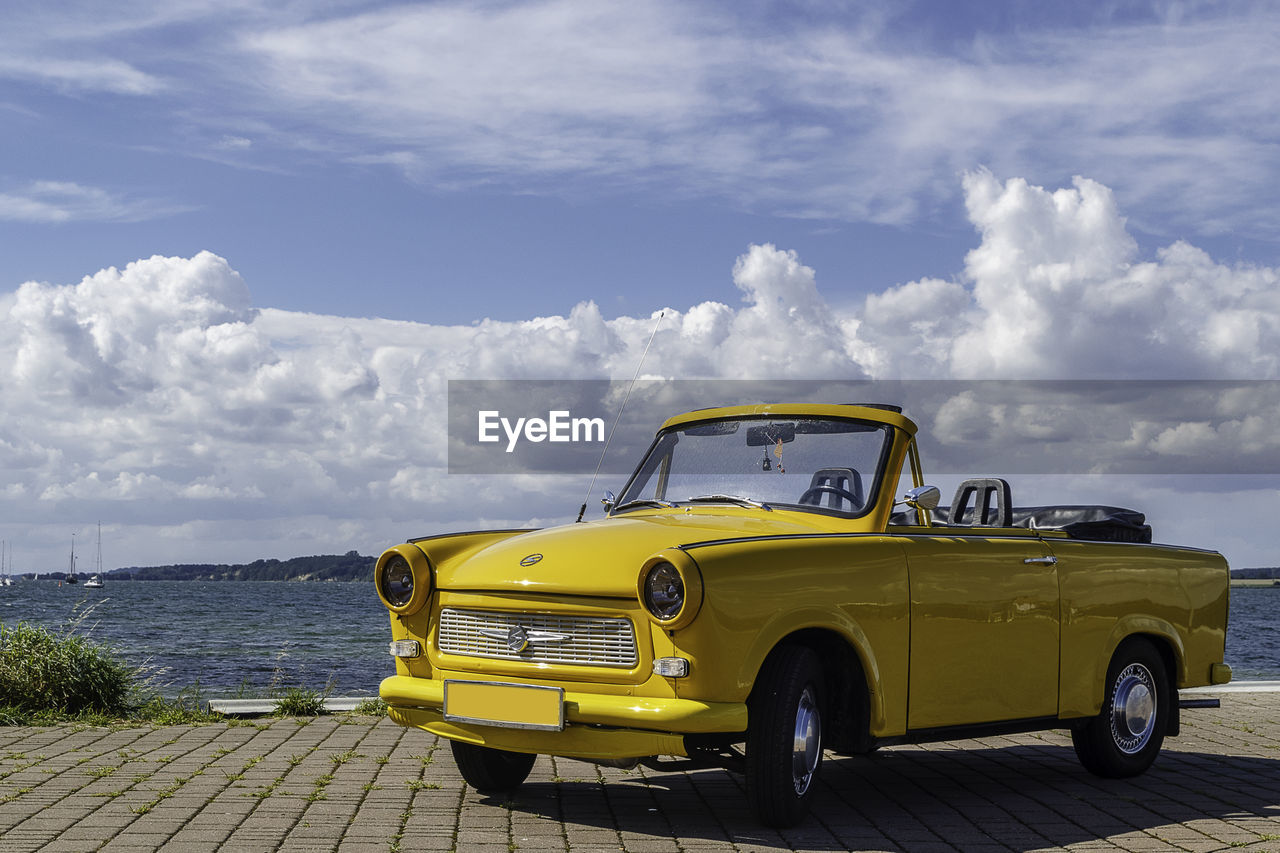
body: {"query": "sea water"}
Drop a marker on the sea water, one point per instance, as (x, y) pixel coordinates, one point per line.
(231, 637)
(250, 637)
(1253, 633)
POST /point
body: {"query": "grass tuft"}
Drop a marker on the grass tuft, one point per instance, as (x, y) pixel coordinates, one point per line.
(299, 702)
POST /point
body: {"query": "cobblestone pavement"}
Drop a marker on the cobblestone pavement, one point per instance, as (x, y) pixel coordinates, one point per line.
(346, 783)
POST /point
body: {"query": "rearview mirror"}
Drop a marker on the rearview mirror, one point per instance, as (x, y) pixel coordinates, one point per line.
(766, 434)
(923, 497)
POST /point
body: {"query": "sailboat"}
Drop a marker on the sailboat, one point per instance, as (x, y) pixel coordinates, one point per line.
(5, 568)
(95, 582)
(71, 575)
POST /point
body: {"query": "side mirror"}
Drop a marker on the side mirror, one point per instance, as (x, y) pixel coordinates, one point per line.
(923, 497)
(608, 500)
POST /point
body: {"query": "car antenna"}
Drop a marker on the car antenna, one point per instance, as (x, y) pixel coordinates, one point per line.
(583, 510)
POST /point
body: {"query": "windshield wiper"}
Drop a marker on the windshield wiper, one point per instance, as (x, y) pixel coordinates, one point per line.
(645, 502)
(737, 499)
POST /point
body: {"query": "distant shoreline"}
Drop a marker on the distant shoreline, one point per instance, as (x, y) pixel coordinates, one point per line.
(351, 566)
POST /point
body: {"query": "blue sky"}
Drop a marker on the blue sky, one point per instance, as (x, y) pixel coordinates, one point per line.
(201, 202)
(414, 160)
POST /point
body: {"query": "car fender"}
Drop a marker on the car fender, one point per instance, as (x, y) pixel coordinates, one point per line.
(1137, 624)
(778, 629)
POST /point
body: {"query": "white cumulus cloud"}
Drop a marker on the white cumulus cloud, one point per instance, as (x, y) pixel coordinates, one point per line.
(1056, 290)
(157, 398)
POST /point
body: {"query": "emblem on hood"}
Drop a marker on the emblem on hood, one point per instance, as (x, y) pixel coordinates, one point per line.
(517, 639)
(531, 559)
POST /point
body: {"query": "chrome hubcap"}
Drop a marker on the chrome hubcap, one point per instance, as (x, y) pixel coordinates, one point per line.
(1133, 709)
(806, 746)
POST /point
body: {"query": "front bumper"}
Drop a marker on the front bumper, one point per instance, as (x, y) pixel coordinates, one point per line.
(596, 726)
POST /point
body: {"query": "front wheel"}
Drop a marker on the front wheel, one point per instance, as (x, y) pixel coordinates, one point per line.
(489, 770)
(1126, 736)
(784, 736)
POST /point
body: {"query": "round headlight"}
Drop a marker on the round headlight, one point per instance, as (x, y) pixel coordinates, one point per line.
(397, 581)
(664, 591)
(402, 577)
(669, 586)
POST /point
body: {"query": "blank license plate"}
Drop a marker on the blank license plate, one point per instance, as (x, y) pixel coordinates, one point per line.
(513, 706)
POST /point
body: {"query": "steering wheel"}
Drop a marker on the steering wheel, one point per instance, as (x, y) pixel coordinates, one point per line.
(814, 495)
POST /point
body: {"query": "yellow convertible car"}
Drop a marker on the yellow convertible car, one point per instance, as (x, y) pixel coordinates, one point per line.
(760, 594)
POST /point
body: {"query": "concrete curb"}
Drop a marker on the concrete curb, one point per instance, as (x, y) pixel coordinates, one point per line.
(261, 707)
(1238, 687)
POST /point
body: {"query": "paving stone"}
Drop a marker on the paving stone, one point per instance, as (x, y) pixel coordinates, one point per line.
(354, 785)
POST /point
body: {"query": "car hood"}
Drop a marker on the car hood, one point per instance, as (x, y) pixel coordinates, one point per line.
(599, 558)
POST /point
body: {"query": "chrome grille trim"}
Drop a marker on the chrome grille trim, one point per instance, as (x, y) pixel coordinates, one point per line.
(591, 640)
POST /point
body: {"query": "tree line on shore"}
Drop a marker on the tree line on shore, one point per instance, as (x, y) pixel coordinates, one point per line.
(1256, 573)
(351, 566)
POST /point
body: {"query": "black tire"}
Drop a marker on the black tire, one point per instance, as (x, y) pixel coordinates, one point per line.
(786, 708)
(1126, 736)
(491, 771)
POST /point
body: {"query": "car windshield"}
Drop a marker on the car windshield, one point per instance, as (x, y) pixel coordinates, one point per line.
(819, 464)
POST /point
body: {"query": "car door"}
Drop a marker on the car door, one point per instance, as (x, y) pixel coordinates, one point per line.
(984, 643)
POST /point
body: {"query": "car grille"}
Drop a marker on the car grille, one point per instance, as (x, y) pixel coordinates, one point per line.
(568, 639)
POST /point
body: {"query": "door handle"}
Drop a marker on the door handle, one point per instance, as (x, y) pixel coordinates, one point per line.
(1041, 561)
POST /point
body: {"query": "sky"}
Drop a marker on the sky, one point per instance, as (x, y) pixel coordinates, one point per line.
(244, 246)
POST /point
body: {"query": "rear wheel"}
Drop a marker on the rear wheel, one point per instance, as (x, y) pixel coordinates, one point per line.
(784, 736)
(1126, 736)
(491, 771)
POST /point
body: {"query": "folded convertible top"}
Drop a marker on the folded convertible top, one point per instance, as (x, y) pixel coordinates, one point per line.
(1100, 523)
(1106, 523)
